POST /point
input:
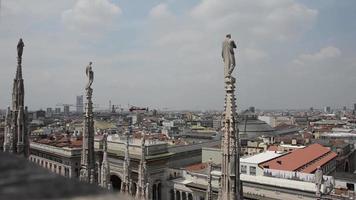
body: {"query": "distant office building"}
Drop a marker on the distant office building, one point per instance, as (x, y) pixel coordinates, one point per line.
(57, 110)
(66, 109)
(327, 109)
(49, 112)
(80, 105)
(39, 114)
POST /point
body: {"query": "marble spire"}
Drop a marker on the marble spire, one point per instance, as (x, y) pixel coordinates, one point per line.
(230, 178)
(16, 125)
(88, 172)
(126, 183)
(142, 182)
(105, 167)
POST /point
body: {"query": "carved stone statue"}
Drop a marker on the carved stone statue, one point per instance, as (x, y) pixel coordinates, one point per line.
(90, 75)
(228, 55)
(147, 190)
(318, 180)
(20, 46)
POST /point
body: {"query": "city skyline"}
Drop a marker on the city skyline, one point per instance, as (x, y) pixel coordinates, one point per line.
(291, 54)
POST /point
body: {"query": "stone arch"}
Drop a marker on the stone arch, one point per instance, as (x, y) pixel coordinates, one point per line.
(190, 196)
(154, 188)
(159, 191)
(184, 196)
(178, 195)
(171, 194)
(115, 182)
(347, 166)
(134, 188)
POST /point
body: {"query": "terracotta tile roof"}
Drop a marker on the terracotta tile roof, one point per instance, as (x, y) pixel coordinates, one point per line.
(312, 168)
(197, 167)
(76, 143)
(272, 148)
(298, 158)
(61, 141)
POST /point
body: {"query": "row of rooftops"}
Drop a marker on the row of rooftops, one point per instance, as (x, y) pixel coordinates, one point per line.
(303, 159)
(61, 140)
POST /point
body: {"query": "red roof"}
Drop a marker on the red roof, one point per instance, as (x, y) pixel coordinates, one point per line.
(273, 148)
(311, 168)
(299, 158)
(197, 167)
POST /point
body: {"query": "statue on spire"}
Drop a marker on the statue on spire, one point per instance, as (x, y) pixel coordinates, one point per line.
(88, 172)
(228, 55)
(20, 46)
(16, 130)
(230, 174)
(90, 75)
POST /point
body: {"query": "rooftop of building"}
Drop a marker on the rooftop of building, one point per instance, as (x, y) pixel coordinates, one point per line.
(197, 168)
(272, 148)
(134, 140)
(60, 140)
(261, 157)
(313, 155)
(252, 128)
(283, 126)
(329, 122)
(339, 134)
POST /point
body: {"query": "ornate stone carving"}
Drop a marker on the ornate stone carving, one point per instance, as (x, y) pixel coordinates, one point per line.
(228, 55)
(230, 174)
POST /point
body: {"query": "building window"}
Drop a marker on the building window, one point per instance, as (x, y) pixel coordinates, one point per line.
(77, 172)
(66, 172)
(252, 170)
(243, 169)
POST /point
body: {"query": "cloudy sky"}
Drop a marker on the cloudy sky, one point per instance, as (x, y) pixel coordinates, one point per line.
(166, 54)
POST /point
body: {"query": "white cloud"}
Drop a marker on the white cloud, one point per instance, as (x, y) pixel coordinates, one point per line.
(175, 51)
(272, 19)
(323, 54)
(91, 15)
(160, 11)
